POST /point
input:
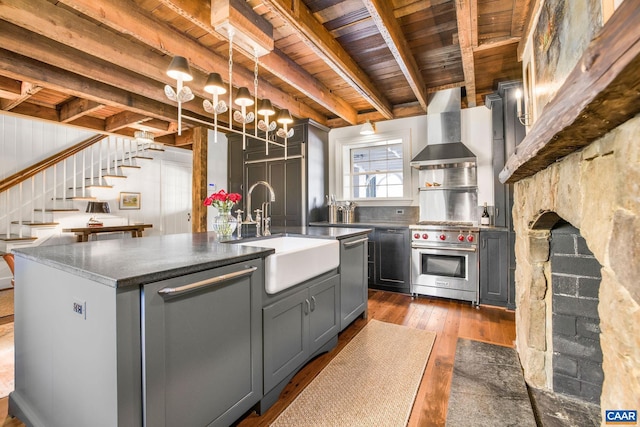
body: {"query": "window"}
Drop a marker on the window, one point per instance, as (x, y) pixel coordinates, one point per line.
(375, 169)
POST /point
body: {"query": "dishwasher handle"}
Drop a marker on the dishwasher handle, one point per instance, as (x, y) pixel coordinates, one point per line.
(355, 242)
(171, 292)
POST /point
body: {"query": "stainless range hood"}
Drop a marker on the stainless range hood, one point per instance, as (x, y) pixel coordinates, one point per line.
(444, 133)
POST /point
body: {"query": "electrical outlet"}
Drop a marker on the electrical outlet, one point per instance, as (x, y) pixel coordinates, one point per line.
(80, 308)
(399, 211)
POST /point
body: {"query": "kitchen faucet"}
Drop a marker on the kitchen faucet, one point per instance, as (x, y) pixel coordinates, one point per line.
(262, 221)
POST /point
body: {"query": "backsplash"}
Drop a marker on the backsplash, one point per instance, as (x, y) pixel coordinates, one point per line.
(404, 214)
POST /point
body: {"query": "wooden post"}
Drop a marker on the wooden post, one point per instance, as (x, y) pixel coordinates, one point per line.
(199, 181)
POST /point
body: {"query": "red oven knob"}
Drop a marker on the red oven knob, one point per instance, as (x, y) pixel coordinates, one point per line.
(416, 236)
(470, 238)
(443, 237)
(460, 238)
(425, 236)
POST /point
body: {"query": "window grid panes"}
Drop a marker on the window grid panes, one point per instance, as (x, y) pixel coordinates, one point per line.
(376, 171)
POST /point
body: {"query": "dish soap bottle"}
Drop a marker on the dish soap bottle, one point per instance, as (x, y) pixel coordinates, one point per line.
(484, 218)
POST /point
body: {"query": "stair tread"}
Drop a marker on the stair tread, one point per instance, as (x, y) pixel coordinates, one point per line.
(81, 198)
(99, 186)
(60, 210)
(35, 223)
(114, 176)
(130, 166)
(154, 149)
(16, 238)
(143, 157)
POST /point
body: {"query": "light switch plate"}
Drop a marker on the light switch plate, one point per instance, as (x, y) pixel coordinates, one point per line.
(80, 308)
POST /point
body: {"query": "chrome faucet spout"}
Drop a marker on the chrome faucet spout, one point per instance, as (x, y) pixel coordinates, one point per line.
(272, 195)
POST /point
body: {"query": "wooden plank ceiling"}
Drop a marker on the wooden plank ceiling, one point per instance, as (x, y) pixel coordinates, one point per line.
(101, 64)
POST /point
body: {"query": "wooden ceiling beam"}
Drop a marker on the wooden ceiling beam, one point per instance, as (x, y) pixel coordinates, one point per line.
(316, 36)
(27, 90)
(17, 66)
(465, 28)
(10, 88)
(123, 120)
(275, 62)
(76, 108)
(25, 43)
(382, 13)
(122, 17)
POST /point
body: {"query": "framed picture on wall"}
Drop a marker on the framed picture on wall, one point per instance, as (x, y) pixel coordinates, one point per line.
(129, 200)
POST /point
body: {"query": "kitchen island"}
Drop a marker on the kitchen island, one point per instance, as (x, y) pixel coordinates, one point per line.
(160, 330)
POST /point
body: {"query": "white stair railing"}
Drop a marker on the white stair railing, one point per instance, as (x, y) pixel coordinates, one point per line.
(64, 185)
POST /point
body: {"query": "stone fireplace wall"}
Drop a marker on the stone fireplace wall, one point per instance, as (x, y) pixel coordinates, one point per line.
(596, 190)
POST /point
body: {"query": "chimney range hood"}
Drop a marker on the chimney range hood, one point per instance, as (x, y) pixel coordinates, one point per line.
(444, 133)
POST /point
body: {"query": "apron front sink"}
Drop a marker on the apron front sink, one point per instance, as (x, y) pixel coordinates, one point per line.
(296, 259)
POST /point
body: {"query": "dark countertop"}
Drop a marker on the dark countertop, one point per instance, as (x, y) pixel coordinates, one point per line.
(133, 262)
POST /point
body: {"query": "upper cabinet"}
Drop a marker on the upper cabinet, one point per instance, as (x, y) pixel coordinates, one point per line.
(300, 181)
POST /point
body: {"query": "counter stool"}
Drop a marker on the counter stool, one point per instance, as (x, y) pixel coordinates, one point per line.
(8, 258)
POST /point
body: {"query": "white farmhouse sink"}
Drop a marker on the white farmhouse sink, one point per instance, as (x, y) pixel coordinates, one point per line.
(296, 259)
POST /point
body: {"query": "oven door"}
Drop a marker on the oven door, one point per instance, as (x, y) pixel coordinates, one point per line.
(450, 272)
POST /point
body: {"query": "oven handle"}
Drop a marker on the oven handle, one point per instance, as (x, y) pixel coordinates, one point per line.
(448, 248)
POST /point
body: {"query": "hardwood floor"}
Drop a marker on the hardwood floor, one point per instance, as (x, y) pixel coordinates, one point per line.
(450, 320)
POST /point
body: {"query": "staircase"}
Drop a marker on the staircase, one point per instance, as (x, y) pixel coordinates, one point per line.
(34, 201)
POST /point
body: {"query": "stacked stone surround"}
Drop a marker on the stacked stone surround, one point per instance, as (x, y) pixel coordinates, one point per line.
(577, 355)
(597, 190)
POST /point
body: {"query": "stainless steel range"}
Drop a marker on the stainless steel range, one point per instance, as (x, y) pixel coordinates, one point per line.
(444, 261)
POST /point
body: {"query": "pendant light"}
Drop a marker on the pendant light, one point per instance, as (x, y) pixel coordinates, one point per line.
(179, 70)
(215, 86)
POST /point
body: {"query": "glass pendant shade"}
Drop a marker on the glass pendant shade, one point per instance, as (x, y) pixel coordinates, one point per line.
(265, 108)
(243, 97)
(179, 69)
(215, 84)
(284, 117)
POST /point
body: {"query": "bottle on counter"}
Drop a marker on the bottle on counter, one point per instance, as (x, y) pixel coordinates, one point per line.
(484, 218)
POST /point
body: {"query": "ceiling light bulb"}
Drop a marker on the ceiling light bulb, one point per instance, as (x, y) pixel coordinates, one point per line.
(243, 98)
(284, 117)
(265, 108)
(215, 85)
(179, 69)
(367, 129)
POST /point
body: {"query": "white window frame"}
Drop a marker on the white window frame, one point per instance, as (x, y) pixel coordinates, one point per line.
(342, 157)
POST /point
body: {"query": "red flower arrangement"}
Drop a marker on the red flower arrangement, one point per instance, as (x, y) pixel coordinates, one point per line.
(222, 200)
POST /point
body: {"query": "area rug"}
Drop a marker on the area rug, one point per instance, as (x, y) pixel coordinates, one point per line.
(373, 381)
(488, 388)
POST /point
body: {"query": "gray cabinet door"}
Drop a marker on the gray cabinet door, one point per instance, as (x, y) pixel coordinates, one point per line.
(353, 279)
(286, 332)
(494, 266)
(324, 319)
(393, 259)
(202, 349)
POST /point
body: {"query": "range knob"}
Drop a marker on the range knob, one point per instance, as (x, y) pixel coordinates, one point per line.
(416, 236)
(470, 238)
(460, 238)
(425, 236)
(443, 237)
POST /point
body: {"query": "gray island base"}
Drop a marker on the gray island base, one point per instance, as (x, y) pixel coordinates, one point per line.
(169, 330)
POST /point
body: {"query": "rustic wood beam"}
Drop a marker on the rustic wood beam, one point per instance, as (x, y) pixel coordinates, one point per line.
(27, 90)
(18, 66)
(199, 185)
(25, 43)
(314, 35)
(10, 88)
(275, 62)
(382, 13)
(122, 17)
(494, 43)
(465, 25)
(123, 120)
(77, 107)
(602, 92)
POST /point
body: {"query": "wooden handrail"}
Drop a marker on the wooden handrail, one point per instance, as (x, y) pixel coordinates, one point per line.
(42, 165)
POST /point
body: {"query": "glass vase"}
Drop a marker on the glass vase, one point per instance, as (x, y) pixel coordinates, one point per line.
(224, 224)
